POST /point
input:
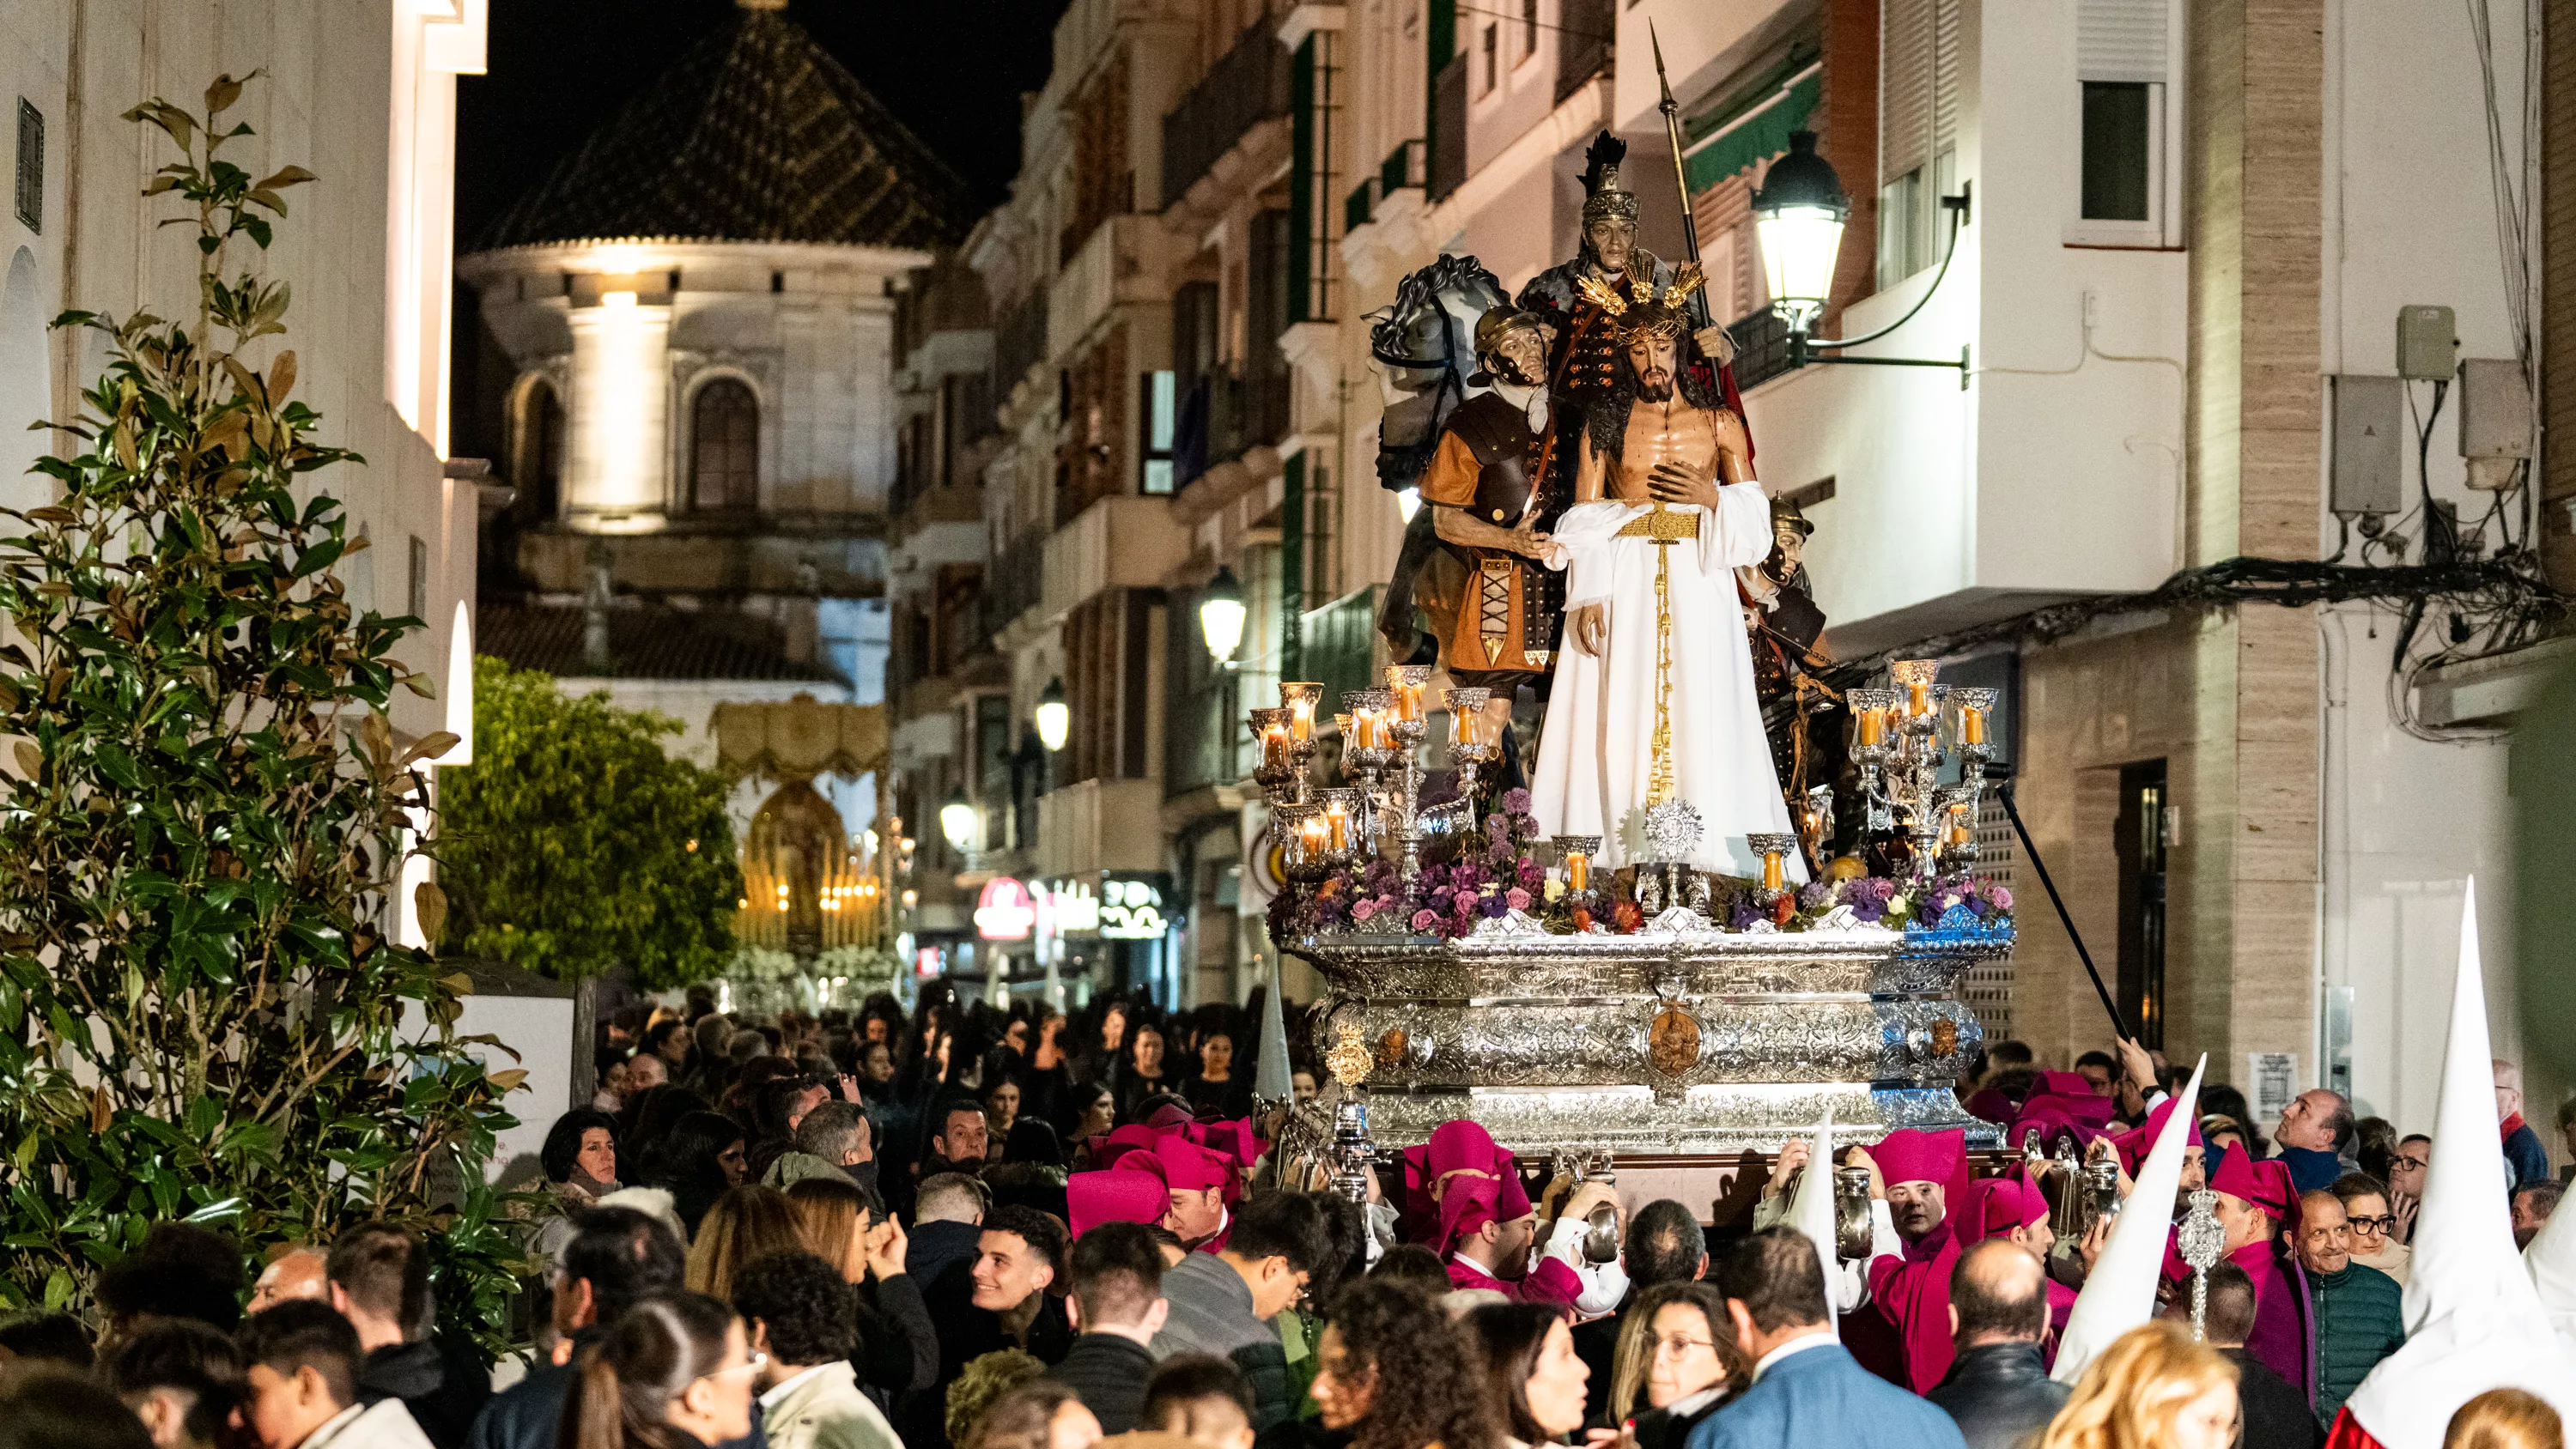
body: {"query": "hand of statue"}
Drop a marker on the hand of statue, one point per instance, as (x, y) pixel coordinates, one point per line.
(1674, 481)
(1592, 630)
(1793, 1155)
(1716, 344)
(1528, 542)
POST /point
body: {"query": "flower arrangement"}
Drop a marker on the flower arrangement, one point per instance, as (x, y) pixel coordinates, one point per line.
(1484, 875)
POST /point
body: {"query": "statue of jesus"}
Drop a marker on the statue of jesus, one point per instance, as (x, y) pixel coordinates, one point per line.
(1654, 699)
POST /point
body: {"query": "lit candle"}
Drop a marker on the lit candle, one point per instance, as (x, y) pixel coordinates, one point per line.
(1919, 701)
(1772, 875)
(1578, 871)
(1274, 746)
(1462, 726)
(1972, 726)
(1301, 719)
(1311, 834)
(1873, 724)
(1337, 821)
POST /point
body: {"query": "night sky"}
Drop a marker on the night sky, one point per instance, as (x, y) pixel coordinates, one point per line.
(952, 70)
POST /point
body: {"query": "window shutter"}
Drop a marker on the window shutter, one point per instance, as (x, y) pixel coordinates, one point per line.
(1945, 78)
(2122, 40)
(1905, 86)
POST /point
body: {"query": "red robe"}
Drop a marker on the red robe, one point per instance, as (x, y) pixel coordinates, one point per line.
(1911, 1293)
(1551, 1282)
(2348, 1433)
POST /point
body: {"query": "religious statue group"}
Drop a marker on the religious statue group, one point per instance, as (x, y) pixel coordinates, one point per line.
(1592, 529)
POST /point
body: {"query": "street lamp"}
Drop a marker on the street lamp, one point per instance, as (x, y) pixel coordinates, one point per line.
(1221, 616)
(1798, 216)
(1055, 722)
(957, 821)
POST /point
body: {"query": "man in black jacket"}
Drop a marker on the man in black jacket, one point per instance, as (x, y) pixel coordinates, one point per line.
(1118, 1307)
(617, 1257)
(1997, 1390)
(947, 1223)
(379, 1280)
(2275, 1413)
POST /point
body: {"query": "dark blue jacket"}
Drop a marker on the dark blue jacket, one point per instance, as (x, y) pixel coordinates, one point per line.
(2525, 1160)
(1821, 1398)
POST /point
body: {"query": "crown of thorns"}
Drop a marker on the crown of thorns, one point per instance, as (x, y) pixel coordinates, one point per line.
(1640, 310)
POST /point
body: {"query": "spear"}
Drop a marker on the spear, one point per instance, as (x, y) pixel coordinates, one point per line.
(1681, 179)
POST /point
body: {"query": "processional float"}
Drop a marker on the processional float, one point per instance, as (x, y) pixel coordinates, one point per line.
(1667, 1012)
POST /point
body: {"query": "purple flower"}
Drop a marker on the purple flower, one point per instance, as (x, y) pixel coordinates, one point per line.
(1517, 898)
(1869, 910)
(1498, 830)
(2001, 896)
(1495, 907)
(1531, 875)
(1816, 896)
(1742, 915)
(1423, 920)
(1516, 802)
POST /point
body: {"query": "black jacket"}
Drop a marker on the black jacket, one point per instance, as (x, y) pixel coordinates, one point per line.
(2276, 1413)
(1107, 1371)
(1596, 1342)
(1670, 1428)
(898, 1349)
(937, 1247)
(1999, 1395)
(443, 1390)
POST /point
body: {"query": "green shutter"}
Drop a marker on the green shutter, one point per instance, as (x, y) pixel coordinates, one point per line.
(1301, 182)
(1756, 127)
(1292, 569)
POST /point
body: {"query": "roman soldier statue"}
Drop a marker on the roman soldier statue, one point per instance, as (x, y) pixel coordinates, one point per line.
(1481, 490)
(1582, 355)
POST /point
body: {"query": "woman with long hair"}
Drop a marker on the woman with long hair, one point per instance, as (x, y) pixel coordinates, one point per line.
(1676, 1361)
(1386, 1373)
(1094, 1114)
(1140, 1073)
(2153, 1388)
(898, 1345)
(1216, 1089)
(746, 1223)
(699, 1160)
(1038, 1414)
(672, 1373)
(1534, 1380)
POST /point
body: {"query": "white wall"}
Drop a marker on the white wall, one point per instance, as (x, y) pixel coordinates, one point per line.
(2410, 218)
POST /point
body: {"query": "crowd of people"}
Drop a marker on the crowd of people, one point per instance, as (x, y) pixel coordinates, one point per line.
(968, 1228)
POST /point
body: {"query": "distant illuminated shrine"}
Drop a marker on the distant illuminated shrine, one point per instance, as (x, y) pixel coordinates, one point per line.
(698, 312)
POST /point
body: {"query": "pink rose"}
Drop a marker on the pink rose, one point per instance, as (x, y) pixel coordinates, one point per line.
(1362, 910)
(1422, 920)
(1517, 899)
(2001, 896)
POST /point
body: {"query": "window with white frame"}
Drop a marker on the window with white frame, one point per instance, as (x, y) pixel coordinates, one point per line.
(1918, 131)
(2127, 52)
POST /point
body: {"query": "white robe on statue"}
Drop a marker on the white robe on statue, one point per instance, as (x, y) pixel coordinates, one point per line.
(1596, 750)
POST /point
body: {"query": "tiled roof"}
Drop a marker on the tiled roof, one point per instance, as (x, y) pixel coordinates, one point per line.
(644, 642)
(756, 134)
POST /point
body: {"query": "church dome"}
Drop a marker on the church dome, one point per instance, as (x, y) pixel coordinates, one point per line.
(757, 135)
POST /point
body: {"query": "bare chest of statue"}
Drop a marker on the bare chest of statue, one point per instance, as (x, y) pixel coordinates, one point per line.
(1671, 431)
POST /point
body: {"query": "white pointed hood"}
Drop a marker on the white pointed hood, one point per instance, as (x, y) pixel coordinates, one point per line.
(2474, 1322)
(1270, 1074)
(2552, 1261)
(2120, 1293)
(1811, 1211)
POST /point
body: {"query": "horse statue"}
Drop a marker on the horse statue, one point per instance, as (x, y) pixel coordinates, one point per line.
(1425, 347)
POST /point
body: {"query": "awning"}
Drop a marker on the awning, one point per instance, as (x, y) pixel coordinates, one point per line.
(1727, 140)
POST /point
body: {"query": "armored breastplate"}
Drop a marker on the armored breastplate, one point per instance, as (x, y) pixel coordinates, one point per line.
(1506, 450)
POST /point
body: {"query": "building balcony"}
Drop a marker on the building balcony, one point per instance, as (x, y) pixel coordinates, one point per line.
(1099, 825)
(1126, 542)
(1123, 261)
(1248, 86)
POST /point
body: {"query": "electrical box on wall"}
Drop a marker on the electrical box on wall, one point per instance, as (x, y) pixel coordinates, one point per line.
(2428, 345)
(2495, 421)
(2369, 431)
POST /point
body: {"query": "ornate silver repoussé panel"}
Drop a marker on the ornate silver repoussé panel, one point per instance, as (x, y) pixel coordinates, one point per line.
(1678, 1040)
